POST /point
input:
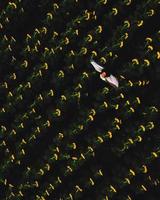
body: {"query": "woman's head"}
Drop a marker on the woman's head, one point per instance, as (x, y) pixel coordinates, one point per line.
(103, 74)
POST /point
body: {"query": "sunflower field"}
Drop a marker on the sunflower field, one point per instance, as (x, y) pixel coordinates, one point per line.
(64, 133)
